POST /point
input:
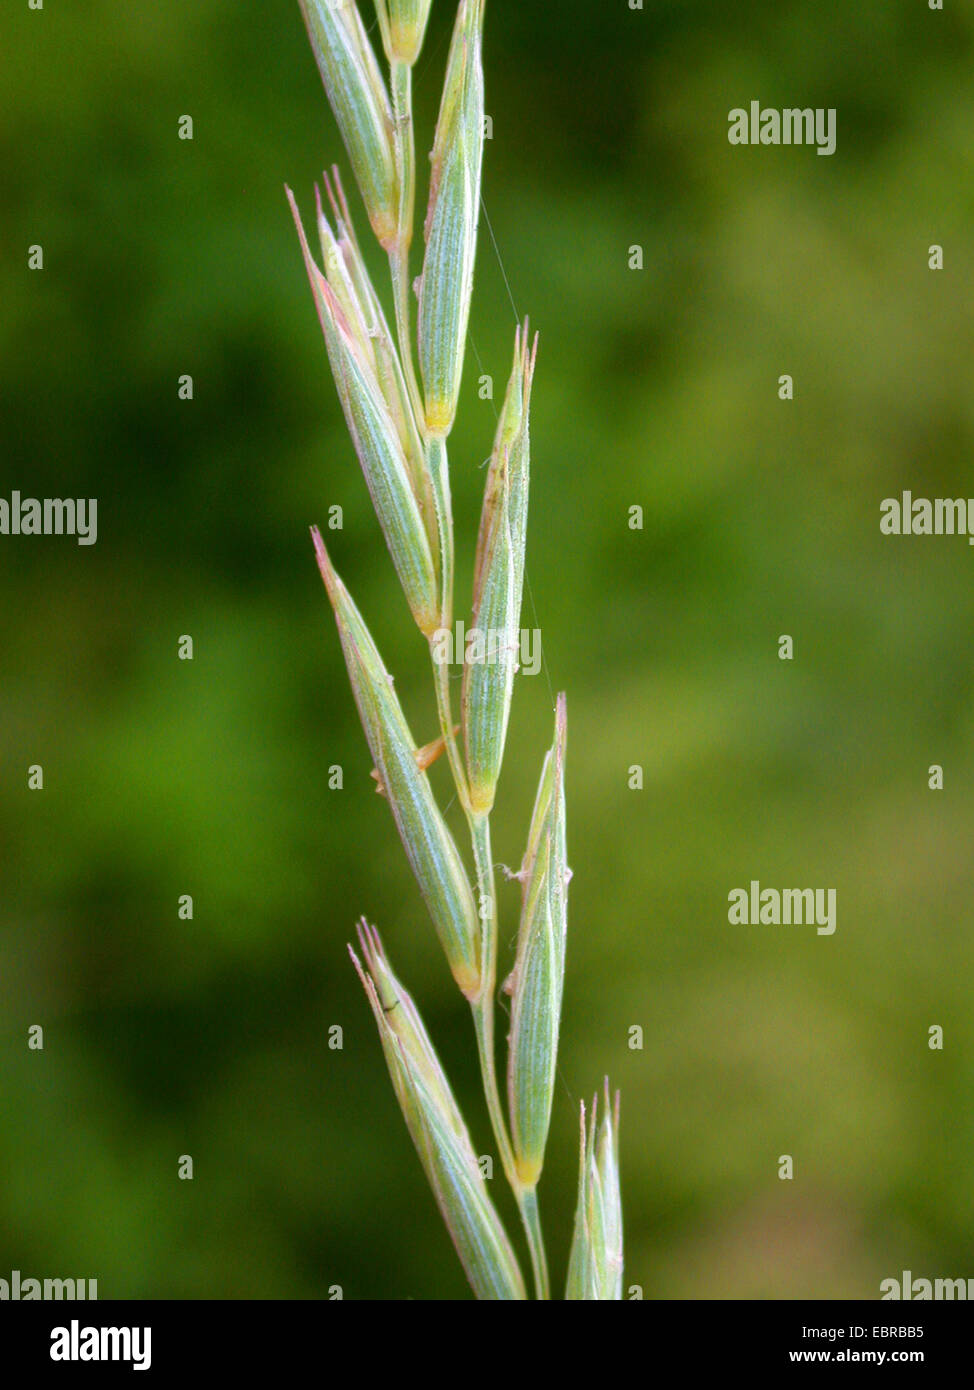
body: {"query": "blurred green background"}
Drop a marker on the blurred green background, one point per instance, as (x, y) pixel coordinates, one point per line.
(657, 388)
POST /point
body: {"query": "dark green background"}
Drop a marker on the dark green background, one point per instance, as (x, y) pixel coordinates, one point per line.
(658, 388)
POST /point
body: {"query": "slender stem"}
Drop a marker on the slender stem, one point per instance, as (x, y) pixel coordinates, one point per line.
(483, 1011)
(441, 678)
(483, 1018)
(405, 154)
(527, 1197)
(399, 265)
(402, 101)
(528, 1203)
(480, 834)
(483, 1005)
(436, 462)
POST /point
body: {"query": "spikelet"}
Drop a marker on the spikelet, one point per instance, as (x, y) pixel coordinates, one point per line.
(537, 980)
(359, 99)
(446, 284)
(428, 843)
(488, 678)
(377, 441)
(595, 1263)
(437, 1129)
(403, 25)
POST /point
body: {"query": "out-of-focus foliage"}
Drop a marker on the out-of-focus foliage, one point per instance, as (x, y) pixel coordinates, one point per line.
(658, 388)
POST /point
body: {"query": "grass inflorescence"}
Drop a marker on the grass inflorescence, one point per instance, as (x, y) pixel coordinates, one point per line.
(400, 403)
